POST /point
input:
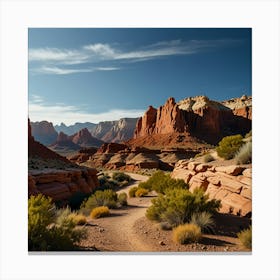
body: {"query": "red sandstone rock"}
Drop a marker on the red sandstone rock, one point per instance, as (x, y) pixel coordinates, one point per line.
(231, 169)
(109, 148)
(85, 139)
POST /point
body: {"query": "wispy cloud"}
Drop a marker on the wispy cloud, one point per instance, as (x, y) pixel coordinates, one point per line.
(96, 54)
(72, 114)
(67, 71)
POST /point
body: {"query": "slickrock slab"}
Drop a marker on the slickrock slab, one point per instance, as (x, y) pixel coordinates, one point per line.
(230, 170)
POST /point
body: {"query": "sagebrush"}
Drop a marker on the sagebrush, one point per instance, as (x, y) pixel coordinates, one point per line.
(178, 205)
(187, 233)
(245, 237)
(244, 154)
(98, 212)
(229, 145)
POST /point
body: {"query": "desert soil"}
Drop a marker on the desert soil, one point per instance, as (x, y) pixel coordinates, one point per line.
(128, 230)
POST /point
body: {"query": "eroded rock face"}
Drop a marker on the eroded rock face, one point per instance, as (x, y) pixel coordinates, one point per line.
(85, 139)
(115, 131)
(194, 116)
(231, 184)
(62, 184)
(43, 132)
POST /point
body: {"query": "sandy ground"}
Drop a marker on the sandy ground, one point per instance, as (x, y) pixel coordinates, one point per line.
(128, 230)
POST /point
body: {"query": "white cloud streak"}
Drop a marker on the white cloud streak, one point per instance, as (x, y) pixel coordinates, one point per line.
(67, 71)
(72, 114)
(104, 52)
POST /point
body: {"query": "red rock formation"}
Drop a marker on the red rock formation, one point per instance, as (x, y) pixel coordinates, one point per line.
(108, 148)
(85, 139)
(43, 132)
(61, 185)
(231, 184)
(197, 117)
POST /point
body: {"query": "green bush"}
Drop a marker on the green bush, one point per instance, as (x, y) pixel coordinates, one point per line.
(165, 226)
(141, 192)
(244, 154)
(132, 191)
(49, 229)
(229, 145)
(204, 221)
(161, 182)
(105, 183)
(121, 177)
(98, 212)
(245, 237)
(122, 199)
(178, 206)
(107, 198)
(184, 234)
(207, 158)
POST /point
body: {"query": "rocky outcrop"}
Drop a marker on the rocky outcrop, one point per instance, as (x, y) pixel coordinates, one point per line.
(83, 155)
(191, 117)
(110, 148)
(231, 184)
(84, 139)
(74, 128)
(115, 131)
(43, 132)
(64, 142)
(62, 184)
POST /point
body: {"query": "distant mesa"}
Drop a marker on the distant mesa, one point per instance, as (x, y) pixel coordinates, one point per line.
(85, 139)
(44, 132)
(107, 131)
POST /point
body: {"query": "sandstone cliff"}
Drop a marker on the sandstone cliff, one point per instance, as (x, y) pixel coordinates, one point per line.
(74, 128)
(115, 131)
(197, 117)
(43, 132)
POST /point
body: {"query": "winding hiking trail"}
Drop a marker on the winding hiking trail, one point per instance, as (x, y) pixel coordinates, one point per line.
(116, 233)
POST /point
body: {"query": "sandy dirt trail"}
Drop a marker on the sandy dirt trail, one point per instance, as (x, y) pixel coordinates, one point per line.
(116, 233)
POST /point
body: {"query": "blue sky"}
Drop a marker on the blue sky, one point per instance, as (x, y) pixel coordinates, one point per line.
(91, 74)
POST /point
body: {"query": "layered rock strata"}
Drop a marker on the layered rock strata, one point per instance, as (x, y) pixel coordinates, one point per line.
(231, 184)
(62, 184)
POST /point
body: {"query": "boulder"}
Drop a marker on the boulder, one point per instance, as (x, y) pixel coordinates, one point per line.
(247, 172)
(230, 170)
(212, 190)
(237, 204)
(202, 167)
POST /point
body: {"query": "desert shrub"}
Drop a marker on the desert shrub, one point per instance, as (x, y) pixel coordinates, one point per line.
(98, 212)
(145, 185)
(245, 237)
(229, 145)
(141, 192)
(49, 229)
(132, 191)
(187, 233)
(79, 219)
(178, 206)
(244, 154)
(122, 199)
(204, 220)
(121, 177)
(107, 198)
(207, 158)
(165, 226)
(105, 183)
(160, 182)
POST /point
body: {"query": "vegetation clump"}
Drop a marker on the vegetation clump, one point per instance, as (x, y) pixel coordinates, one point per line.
(98, 212)
(187, 233)
(245, 237)
(244, 154)
(132, 191)
(229, 145)
(50, 229)
(161, 182)
(107, 198)
(207, 158)
(121, 177)
(178, 205)
(204, 220)
(122, 199)
(141, 192)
